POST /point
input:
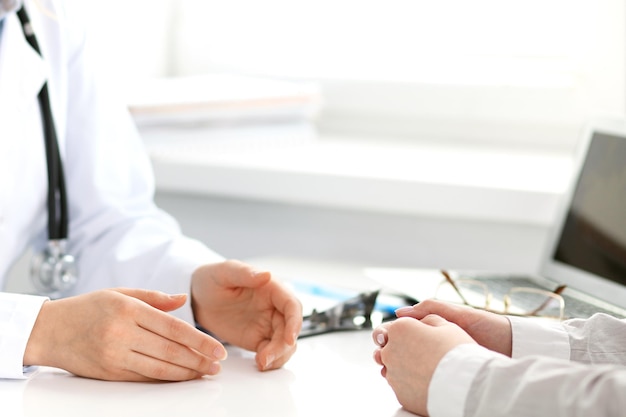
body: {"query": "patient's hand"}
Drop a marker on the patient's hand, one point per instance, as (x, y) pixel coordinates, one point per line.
(490, 330)
(409, 352)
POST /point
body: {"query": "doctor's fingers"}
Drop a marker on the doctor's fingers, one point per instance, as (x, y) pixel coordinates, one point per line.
(138, 367)
(290, 308)
(157, 299)
(156, 357)
(174, 334)
(275, 351)
(274, 355)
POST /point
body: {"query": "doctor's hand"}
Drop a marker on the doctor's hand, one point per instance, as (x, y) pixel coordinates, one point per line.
(249, 309)
(124, 335)
(409, 351)
(490, 330)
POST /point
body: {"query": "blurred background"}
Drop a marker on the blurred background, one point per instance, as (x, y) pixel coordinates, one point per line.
(527, 72)
(399, 133)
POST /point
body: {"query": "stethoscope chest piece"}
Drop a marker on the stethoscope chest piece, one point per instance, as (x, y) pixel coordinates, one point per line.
(53, 272)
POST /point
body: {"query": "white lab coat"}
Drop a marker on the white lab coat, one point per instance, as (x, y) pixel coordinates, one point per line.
(117, 234)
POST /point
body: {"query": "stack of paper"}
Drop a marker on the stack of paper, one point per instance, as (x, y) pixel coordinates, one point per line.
(221, 99)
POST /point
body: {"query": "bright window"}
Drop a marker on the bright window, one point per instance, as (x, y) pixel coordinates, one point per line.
(505, 71)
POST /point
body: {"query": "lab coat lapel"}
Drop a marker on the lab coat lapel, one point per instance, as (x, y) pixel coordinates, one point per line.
(22, 74)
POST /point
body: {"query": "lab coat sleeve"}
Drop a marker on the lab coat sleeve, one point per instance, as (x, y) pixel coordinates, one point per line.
(18, 313)
(561, 369)
(117, 233)
(539, 337)
(453, 379)
(544, 386)
(600, 339)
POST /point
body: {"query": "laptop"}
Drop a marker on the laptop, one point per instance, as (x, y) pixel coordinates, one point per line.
(586, 248)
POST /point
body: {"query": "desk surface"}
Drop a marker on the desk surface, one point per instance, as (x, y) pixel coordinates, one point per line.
(329, 375)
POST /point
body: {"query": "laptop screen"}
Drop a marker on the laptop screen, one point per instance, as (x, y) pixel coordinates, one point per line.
(593, 235)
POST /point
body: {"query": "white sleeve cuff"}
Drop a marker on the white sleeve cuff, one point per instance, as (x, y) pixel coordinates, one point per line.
(539, 337)
(18, 313)
(453, 379)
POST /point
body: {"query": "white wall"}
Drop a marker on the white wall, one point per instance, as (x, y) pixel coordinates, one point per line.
(131, 41)
(488, 71)
(250, 229)
(246, 229)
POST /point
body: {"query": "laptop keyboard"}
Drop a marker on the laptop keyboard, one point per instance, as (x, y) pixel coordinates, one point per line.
(574, 306)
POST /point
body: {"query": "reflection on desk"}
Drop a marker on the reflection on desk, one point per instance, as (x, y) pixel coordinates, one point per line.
(330, 375)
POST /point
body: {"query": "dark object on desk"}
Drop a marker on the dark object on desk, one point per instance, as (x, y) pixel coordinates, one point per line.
(352, 314)
(361, 312)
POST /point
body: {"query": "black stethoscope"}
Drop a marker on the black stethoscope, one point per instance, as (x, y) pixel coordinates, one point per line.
(53, 271)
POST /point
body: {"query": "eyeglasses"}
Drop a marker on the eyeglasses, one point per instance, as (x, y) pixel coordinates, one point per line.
(518, 301)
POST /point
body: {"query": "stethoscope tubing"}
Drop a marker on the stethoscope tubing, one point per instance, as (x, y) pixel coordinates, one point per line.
(57, 194)
(53, 271)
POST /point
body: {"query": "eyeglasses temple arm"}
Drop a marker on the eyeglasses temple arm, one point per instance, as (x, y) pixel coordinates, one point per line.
(451, 282)
(558, 290)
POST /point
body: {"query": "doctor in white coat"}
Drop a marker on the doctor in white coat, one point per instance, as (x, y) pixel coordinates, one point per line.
(142, 286)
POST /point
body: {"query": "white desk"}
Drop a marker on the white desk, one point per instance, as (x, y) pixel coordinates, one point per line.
(330, 375)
